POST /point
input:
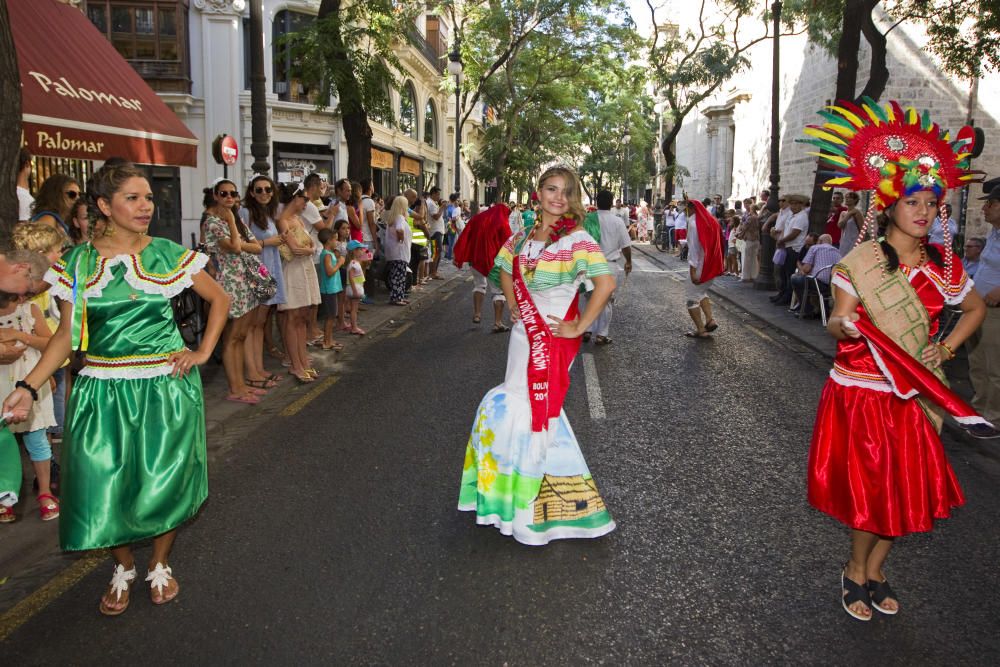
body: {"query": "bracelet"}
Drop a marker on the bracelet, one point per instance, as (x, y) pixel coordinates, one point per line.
(951, 352)
(24, 385)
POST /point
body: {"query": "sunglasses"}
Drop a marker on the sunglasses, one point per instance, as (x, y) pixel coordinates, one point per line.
(229, 193)
(264, 190)
(72, 194)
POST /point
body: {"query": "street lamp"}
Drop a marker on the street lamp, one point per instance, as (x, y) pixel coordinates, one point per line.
(260, 142)
(765, 279)
(626, 139)
(455, 68)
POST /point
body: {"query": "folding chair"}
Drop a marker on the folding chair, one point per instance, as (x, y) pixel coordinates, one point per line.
(820, 295)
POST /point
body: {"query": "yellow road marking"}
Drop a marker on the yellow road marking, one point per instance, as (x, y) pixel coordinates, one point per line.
(400, 330)
(761, 334)
(293, 408)
(19, 614)
(448, 295)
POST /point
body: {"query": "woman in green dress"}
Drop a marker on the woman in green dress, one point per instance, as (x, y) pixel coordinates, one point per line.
(134, 458)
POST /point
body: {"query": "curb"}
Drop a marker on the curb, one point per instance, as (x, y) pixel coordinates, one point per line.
(732, 302)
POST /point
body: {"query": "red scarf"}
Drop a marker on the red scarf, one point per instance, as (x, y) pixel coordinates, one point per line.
(710, 238)
(481, 240)
(548, 357)
(910, 377)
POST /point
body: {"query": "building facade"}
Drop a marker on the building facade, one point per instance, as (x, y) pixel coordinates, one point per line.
(725, 145)
(195, 54)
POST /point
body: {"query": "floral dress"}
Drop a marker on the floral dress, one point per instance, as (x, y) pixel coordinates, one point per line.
(232, 269)
(504, 481)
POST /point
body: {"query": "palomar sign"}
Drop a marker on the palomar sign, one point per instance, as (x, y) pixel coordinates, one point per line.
(83, 100)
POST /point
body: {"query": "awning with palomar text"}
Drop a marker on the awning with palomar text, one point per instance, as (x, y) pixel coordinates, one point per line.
(81, 99)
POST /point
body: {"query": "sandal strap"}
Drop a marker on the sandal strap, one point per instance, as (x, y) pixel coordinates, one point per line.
(159, 577)
(880, 591)
(855, 592)
(121, 579)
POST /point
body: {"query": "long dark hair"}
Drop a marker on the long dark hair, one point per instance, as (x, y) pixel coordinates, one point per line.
(261, 213)
(50, 195)
(892, 257)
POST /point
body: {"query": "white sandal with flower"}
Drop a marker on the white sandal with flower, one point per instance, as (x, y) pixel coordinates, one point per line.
(121, 581)
(159, 577)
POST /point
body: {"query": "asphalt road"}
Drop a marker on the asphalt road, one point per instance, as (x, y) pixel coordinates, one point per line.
(331, 536)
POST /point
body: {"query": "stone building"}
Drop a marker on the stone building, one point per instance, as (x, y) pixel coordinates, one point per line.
(725, 145)
(195, 54)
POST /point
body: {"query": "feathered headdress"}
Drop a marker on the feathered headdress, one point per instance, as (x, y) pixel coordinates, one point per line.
(889, 150)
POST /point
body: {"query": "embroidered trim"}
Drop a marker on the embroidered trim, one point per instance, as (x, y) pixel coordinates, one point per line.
(861, 384)
(165, 284)
(888, 376)
(131, 367)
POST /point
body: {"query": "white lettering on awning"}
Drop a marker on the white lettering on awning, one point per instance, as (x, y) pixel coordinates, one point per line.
(63, 87)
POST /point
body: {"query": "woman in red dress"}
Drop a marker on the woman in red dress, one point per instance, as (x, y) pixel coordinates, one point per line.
(876, 462)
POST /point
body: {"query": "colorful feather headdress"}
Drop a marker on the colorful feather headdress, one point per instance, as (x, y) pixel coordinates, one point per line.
(889, 150)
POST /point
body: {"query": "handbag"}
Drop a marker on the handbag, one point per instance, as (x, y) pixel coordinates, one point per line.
(262, 284)
(779, 257)
(286, 253)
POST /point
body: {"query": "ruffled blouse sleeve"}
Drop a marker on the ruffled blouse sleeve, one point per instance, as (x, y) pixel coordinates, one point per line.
(60, 274)
(169, 271)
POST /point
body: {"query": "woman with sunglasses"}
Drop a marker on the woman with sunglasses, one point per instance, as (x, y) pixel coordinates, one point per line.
(226, 239)
(54, 203)
(260, 208)
(301, 282)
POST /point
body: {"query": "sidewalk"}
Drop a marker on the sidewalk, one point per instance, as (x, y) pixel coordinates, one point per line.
(810, 333)
(29, 547)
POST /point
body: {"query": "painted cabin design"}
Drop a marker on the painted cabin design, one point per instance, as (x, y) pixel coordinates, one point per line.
(566, 499)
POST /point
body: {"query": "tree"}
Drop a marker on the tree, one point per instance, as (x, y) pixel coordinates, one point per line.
(350, 53)
(10, 127)
(537, 84)
(964, 36)
(689, 66)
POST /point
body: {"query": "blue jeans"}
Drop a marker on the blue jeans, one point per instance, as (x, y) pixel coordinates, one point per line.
(59, 399)
(37, 445)
(449, 238)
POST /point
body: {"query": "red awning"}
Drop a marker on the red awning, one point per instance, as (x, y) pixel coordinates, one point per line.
(81, 99)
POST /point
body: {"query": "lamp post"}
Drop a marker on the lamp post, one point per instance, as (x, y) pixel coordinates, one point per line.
(626, 139)
(765, 279)
(455, 68)
(260, 142)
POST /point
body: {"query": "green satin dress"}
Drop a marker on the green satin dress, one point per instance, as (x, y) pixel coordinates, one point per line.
(134, 461)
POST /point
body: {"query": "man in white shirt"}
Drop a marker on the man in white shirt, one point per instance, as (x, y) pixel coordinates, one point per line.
(369, 227)
(435, 224)
(620, 211)
(314, 186)
(791, 237)
(24, 198)
(615, 243)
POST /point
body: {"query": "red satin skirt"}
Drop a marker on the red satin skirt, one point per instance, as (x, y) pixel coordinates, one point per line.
(877, 464)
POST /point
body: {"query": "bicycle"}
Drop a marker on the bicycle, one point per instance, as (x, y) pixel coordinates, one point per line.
(661, 237)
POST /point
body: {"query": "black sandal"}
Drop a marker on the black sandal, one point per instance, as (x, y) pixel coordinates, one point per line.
(854, 592)
(880, 591)
(586, 336)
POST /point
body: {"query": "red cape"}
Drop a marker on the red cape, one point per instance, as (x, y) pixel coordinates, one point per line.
(710, 238)
(481, 240)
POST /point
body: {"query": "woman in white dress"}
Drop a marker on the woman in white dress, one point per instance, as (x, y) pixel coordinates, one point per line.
(524, 472)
